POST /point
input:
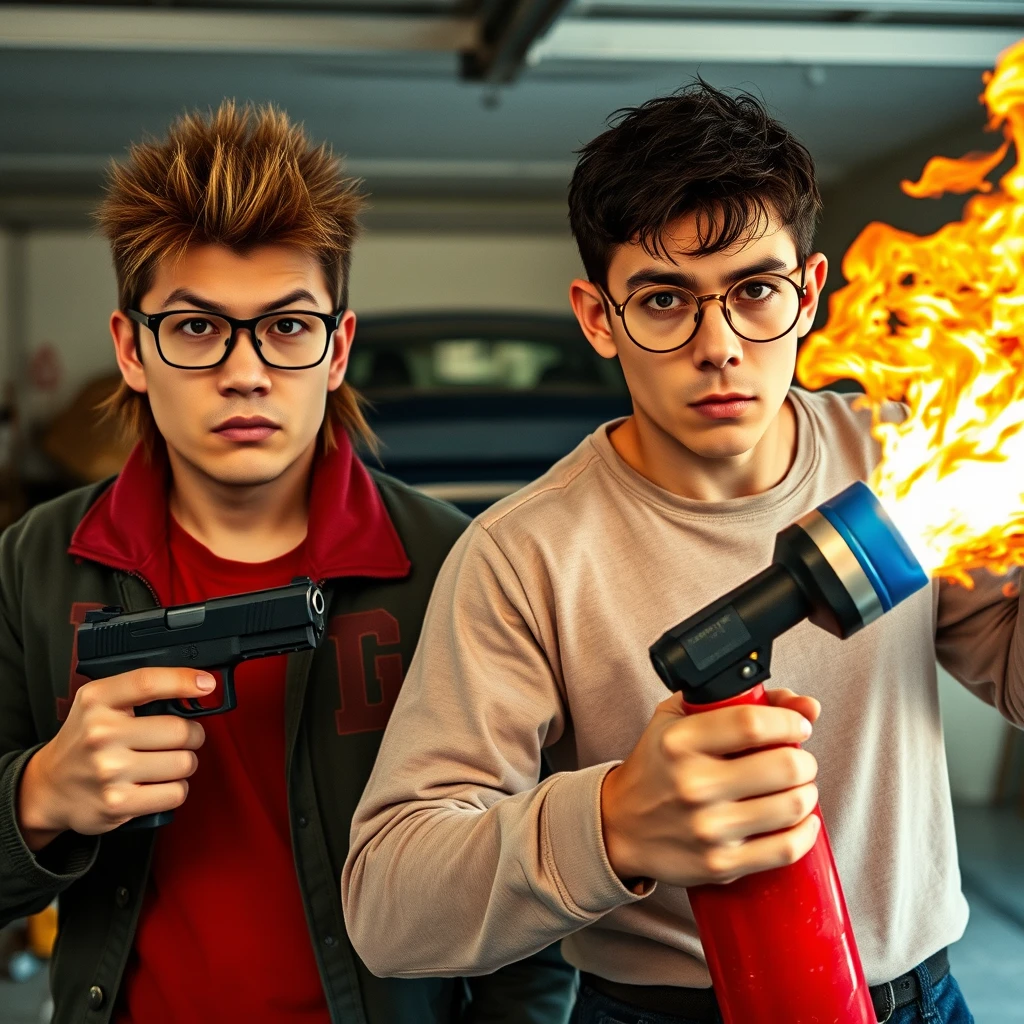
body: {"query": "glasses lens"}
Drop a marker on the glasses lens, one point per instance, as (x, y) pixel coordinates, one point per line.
(660, 318)
(292, 339)
(193, 338)
(763, 308)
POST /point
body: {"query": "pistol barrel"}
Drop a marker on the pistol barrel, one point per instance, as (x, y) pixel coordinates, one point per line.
(218, 633)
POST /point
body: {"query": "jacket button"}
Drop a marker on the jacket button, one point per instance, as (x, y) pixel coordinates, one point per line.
(303, 822)
(329, 940)
(122, 897)
(96, 997)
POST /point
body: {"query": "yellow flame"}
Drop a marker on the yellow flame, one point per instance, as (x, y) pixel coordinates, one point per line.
(937, 323)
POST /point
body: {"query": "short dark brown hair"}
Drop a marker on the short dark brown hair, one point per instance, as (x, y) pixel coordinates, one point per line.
(241, 177)
(699, 151)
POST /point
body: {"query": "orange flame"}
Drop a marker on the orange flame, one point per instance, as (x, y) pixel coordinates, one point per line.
(937, 323)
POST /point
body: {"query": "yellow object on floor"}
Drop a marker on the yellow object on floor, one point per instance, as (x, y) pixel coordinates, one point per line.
(42, 932)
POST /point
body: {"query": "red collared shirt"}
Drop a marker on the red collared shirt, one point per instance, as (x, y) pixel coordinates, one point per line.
(222, 935)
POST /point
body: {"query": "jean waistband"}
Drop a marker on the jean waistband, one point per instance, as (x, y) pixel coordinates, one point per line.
(700, 1004)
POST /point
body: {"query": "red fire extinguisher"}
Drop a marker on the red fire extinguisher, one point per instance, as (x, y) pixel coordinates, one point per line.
(779, 943)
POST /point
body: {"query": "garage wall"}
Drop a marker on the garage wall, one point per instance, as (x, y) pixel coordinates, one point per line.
(516, 272)
(5, 301)
(872, 193)
(974, 733)
(70, 291)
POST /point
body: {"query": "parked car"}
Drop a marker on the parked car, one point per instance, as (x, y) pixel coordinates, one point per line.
(471, 406)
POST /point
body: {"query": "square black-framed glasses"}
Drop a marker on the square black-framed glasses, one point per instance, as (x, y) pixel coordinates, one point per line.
(153, 321)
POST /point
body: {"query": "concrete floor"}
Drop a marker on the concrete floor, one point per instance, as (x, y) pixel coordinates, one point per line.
(988, 962)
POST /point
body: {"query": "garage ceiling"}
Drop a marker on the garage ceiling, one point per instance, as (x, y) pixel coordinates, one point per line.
(480, 97)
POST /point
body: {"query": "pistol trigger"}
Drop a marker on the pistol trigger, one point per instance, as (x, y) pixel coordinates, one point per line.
(193, 704)
(229, 703)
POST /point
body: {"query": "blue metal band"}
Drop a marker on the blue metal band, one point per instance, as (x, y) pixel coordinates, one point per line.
(878, 546)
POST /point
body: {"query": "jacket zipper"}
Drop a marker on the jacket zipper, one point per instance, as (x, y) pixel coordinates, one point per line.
(127, 572)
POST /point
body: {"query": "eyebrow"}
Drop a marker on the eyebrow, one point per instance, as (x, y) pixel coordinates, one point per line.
(198, 302)
(681, 279)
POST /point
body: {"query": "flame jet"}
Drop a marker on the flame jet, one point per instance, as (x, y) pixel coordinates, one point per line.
(937, 323)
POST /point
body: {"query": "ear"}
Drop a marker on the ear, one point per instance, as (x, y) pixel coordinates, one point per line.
(341, 350)
(126, 351)
(817, 272)
(593, 313)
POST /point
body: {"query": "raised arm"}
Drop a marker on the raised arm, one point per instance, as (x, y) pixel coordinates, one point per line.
(979, 640)
(460, 861)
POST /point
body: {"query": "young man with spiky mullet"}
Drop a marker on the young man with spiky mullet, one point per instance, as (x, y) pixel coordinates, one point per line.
(694, 215)
(231, 240)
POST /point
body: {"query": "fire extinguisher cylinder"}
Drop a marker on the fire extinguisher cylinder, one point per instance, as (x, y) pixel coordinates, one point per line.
(779, 943)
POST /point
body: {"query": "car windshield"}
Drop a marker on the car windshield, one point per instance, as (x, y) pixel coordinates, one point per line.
(482, 364)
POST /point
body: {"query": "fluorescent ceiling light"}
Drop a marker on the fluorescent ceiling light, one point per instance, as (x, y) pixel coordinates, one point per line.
(749, 42)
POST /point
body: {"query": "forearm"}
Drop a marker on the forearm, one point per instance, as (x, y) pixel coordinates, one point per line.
(37, 829)
(468, 884)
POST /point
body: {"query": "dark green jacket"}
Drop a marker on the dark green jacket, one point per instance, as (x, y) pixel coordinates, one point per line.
(100, 881)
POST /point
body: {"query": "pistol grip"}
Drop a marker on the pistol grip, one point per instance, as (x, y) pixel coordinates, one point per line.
(146, 821)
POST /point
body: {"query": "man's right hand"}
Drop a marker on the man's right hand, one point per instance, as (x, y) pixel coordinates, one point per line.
(105, 766)
(684, 809)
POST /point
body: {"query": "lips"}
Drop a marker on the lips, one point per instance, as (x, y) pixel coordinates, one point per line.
(724, 407)
(732, 396)
(246, 428)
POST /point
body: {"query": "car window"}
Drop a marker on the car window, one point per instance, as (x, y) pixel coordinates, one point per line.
(492, 364)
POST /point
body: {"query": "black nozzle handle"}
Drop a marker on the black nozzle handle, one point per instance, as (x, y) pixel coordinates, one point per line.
(725, 648)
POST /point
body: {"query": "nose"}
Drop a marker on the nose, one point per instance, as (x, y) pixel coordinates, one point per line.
(715, 345)
(243, 372)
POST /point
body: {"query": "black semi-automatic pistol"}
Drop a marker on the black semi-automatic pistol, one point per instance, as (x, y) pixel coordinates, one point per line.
(216, 635)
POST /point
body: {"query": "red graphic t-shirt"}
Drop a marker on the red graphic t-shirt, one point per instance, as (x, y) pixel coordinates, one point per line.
(223, 934)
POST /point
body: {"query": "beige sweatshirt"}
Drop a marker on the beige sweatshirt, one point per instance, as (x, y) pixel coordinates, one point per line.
(536, 640)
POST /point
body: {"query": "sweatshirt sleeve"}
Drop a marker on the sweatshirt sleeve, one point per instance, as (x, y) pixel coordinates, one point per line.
(460, 861)
(979, 639)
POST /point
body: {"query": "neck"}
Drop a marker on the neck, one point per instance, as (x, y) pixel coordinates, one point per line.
(663, 460)
(253, 523)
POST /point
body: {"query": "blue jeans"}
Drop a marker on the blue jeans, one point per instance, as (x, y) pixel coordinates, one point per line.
(942, 1003)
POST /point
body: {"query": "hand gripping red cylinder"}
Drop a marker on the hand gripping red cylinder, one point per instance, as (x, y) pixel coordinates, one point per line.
(779, 943)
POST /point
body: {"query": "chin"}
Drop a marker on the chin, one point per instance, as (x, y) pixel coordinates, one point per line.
(245, 467)
(720, 451)
(253, 477)
(722, 442)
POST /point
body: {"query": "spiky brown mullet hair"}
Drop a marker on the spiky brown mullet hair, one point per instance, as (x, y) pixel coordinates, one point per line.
(242, 178)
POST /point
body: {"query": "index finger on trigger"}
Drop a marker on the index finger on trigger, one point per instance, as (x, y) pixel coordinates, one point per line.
(142, 686)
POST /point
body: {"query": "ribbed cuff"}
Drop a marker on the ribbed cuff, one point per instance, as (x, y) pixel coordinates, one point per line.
(53, 868)
(574, 847)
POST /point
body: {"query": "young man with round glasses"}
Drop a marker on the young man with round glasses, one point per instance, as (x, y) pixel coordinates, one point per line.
(232, 240)
(694, 215)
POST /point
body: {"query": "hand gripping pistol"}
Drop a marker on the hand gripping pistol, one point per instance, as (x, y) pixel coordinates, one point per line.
(215, 635)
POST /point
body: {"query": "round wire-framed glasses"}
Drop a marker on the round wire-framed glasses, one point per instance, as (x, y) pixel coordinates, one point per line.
(759, 308)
